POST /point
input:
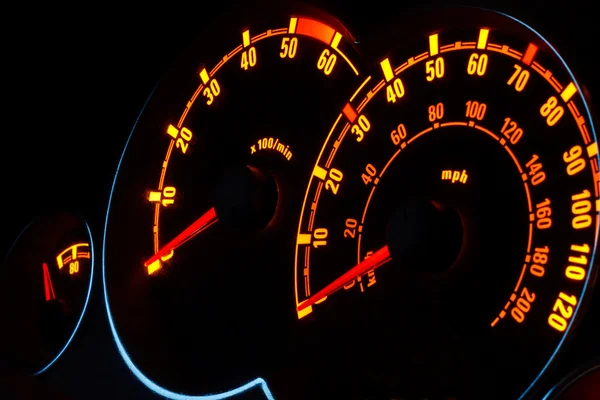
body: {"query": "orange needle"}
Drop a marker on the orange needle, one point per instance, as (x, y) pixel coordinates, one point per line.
(377, 259)
(48, 288)
(206, 220)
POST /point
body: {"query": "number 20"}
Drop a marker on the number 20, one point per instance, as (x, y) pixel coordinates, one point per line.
(333, 182)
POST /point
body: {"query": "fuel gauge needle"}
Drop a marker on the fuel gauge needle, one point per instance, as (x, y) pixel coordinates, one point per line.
(48, 288)
(377, 259)
(206, 220)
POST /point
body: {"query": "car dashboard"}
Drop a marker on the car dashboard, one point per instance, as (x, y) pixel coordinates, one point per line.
(301, 200)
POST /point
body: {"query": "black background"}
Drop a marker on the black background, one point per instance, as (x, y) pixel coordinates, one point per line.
(73, 81)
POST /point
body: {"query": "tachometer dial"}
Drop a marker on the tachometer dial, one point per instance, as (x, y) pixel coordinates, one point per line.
(45, 287)
(203, 210)
(449, 228)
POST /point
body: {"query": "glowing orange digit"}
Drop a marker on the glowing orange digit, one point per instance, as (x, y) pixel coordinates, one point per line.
(434, 69)
(559, 319)
(581, 208)
(212, 91)
(543, 213)
(359, 129)
(477, 64)
(540, 259)
(248, 59)
(181, 136)
(74, 267)
(552, 111)
(288, 47)
(370, 172)
(350, 231)
(475, 110)
(575, 272)
(535, 170)
(326, 61)
(395, 90)
(519, 77)
(523, 305)
(436, 112)
(511, 131)
(333, 183)
(166, 197)
(398, 134)
(575, 163)
(320, 236)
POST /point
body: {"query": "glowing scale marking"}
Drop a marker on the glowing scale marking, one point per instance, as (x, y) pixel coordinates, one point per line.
(298, 26)
(308, 27)
(258, 382)
(526, 58)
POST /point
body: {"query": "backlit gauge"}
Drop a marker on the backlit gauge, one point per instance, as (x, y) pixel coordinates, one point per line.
(204, 207)
(449, 228)
(45, 287)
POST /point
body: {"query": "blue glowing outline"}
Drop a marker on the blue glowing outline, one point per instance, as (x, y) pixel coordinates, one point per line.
(135, 370)
(259, 381)
(593, 131)
(12, 246)
(87, 299)
(558, 389)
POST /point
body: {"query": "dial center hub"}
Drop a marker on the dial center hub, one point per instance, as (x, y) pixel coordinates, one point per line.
(424, 237)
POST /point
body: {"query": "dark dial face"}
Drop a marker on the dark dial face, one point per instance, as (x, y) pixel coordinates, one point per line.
(414, 225)
(46, 282)
(450, 222)
(201, 225)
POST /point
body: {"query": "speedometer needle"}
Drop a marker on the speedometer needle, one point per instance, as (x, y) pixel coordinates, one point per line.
(377, 259)
(206, 220)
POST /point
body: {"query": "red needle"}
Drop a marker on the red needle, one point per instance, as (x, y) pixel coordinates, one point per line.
(377, 259)
(209, 218)
(48, 288)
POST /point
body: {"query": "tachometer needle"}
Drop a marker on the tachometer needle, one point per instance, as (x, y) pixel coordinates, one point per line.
(377, 259)
(48, 288)
(206, 220)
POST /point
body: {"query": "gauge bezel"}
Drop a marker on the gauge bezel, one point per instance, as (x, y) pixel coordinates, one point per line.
(77, 325)
(520, 26)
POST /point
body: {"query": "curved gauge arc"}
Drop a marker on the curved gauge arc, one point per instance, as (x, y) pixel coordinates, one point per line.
(204, 203)
(85, 304)
(49, 273)
(258, 382)
(581, 383)
(466, 214)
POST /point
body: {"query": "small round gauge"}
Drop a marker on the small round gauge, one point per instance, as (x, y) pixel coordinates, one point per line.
(45, 287)
(202, 216)
(449, 228)
(581, 384)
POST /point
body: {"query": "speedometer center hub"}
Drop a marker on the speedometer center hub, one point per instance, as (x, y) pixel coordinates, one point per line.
(416, 227)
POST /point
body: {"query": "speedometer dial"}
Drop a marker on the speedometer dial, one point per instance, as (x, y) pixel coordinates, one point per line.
(449, 227)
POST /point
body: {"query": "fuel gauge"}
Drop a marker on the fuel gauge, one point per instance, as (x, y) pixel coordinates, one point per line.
(45, 282)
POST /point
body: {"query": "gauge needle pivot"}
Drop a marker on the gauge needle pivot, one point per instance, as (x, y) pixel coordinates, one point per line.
(48, 288)
(206, 220)
(377, 259)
